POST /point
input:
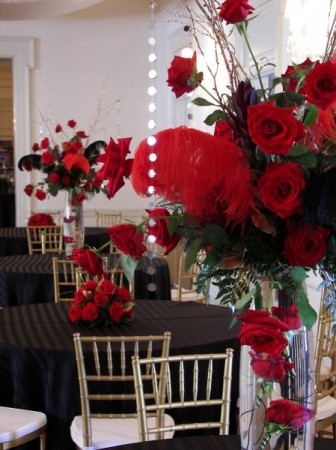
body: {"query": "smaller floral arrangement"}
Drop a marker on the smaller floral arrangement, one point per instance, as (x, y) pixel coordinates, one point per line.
(99, 300)
(40, 220)
(72, 166)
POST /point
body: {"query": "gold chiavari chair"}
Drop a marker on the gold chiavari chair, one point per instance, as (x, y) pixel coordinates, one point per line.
(65, 279)
(45, 239)
(186, 288)
(104, 219)
(325, 380)
(192, 387)
(19, 426)
(104, 363)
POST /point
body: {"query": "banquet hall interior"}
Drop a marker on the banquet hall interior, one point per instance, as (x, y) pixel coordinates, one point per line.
(103, 64)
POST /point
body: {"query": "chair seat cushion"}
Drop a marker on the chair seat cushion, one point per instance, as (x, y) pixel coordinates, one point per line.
(187, 295)
(326, 407)
(112, 432)
(16, 423)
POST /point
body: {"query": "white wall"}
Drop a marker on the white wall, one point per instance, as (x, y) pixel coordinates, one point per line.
(97, 55)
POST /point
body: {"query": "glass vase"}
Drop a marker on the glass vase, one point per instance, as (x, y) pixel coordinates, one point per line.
(73, 223)
(298, 386)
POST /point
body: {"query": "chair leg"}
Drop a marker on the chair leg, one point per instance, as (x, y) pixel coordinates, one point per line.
(43, 441)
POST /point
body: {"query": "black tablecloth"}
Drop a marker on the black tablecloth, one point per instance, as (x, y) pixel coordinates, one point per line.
(13, 240)
(26, 279)
(205, 443)
(37, 362)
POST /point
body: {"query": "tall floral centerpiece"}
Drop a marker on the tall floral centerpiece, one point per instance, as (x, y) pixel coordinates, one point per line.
(258, 196)
(78, 170)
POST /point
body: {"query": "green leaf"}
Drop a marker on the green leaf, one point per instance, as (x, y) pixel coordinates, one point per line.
(199, 101)
(245, 299)
(216, 115)
(192, 248)
(308, 315)
(308, 160)
(173, 222)
(311, 115)
(128, 265)
(215, 235)
(298, 150)
(298, 274)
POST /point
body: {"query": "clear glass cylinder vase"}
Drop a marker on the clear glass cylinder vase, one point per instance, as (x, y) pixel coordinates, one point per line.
(73, 223)
(256, 395)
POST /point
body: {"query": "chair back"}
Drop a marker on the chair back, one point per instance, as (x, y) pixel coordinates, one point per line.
(105, 374)
(108, 219)
(45, 239)
(65, 279)
(325, 348)
(186, 287)
(325, 360)
(183, 381)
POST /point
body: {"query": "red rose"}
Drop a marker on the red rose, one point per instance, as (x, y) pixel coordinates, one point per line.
(273, 129)
(44, 143)
(58, 128)
(40, 195)
(79, 296)
(263, 339)
(90, 312)
(281, 187)
(263, 318)
(90, 285)
(128, 240)
(74, 313)
(287, 413)
(88, 261)
(81, 134)
(270, 369)
(183, 76)
(223, 129)
(123, 294)
(100, 298)
(29, 189)
(288, 314)
(234, 11)
(320, 84)
(290, 78)
(35, 147)
(107, 287)
(158, 227)
(116, 311)
(54, 177)
(264, 333)
(66, 180)
(305, 245)
(47, 158)
(72, 123)
(41, 219)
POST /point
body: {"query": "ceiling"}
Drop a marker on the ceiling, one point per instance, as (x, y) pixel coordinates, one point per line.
(37, 9)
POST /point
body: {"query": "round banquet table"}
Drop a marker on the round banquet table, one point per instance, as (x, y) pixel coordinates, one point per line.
(14, 239)
(37, 361)
(208, 442)
(26, 279)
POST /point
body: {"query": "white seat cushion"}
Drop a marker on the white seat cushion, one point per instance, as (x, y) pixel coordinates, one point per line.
(112, 432)
(16, 423)
(326, 407)
(186, 295)
(325, 366)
